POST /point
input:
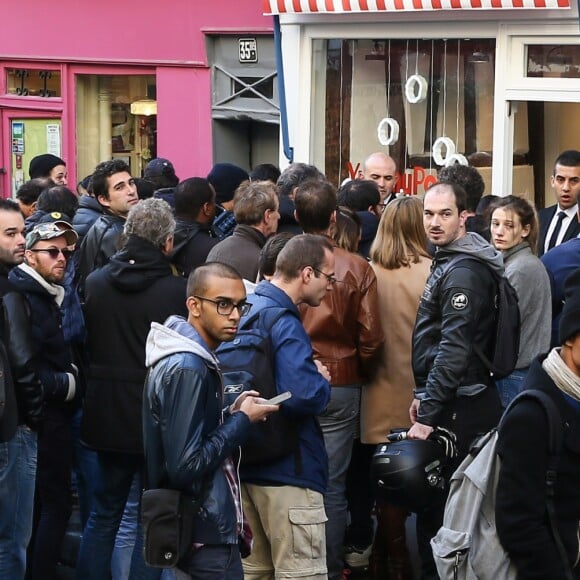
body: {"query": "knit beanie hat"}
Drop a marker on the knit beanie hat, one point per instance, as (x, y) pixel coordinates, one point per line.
(226, 178)
(570, 318)
(42, 165)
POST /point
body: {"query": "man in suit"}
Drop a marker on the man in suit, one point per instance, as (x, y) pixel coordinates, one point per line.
(559, 222)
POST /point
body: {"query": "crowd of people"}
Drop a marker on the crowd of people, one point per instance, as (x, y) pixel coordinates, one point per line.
(116, 299)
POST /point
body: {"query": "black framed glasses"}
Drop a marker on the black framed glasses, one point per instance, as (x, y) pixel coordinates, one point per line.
(54, 252)
(329, 278)
(226, 307)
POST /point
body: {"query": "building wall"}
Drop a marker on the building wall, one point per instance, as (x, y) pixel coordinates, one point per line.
(164, 39)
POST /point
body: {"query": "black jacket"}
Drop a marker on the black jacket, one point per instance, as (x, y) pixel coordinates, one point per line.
(192, 242)
(133, 290)
(52, 355)
(89, 211)
(521, 518)
(454, 314)
(185, 450)
(100, 243)
(20, 389)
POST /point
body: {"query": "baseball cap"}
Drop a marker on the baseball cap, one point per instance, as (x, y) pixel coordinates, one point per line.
(158, 167)
(49, 231)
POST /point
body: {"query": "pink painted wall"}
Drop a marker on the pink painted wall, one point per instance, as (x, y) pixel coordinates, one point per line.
(167, 37)
(147, 30)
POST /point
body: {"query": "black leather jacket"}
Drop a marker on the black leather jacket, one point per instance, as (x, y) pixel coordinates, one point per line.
(20, 390)
(455, 312)
(185, 440)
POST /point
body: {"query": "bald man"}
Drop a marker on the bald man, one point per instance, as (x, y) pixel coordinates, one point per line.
(381, 169)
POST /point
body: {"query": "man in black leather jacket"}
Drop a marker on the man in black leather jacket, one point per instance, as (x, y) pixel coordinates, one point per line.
(20, 403)
(453, 387)
(188, 444)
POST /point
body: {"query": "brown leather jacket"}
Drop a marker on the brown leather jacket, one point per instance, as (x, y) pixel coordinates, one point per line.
(345, 329)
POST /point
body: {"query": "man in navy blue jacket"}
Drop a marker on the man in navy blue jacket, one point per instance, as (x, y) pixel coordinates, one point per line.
(283, 498)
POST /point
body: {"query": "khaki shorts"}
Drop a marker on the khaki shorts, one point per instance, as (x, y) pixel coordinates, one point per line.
(288, 524)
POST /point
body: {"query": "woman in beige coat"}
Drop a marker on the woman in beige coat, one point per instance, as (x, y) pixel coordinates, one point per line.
(401, 263)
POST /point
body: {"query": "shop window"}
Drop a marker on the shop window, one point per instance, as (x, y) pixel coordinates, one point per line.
(33, 82)
(553, 61)
(427, 89)
(106, 128)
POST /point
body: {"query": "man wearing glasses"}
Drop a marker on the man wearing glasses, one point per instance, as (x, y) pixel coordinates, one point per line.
(188, 444)
(137, 287)
(347, 337)
(283, 498)
(48, 247)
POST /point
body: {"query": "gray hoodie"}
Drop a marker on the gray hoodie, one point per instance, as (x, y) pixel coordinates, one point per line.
(474, 245)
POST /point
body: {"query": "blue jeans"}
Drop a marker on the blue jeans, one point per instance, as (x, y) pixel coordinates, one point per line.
(339, 426)
(17, 477)
(117, 471)
(127, 534)
(211, 562)
(511, 386)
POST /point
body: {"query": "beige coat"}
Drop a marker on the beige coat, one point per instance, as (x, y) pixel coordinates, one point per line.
(386, 401)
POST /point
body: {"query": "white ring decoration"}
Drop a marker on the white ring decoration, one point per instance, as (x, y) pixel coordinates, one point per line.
(456, 158)
(437, 150)
(388, 131)
(416, 89)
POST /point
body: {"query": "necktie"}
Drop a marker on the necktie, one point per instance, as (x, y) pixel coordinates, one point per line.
(556, 232)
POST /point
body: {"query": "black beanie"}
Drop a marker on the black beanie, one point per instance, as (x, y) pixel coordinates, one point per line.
(226, 178)
(42, 165)
(570, 318)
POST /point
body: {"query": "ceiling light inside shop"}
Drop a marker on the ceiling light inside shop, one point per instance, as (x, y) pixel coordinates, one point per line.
(145, 107)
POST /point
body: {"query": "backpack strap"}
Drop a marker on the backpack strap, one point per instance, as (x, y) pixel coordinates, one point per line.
(555, 442)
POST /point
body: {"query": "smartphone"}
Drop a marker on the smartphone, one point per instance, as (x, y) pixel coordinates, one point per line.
(277, 399)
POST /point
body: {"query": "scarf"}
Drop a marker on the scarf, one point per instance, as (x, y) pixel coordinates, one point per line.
(562, 376)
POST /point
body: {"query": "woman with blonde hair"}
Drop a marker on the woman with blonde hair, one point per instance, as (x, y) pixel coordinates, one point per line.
(401, 263)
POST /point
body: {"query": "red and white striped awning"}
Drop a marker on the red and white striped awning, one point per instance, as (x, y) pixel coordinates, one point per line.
(368, 6)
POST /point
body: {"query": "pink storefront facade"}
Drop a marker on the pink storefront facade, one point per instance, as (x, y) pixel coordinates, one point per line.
(74, 74)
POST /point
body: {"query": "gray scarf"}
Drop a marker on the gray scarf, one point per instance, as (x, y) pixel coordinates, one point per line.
(562, 376)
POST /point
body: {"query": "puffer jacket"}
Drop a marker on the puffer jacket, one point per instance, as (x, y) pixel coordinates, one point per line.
(345, 330)
(454, 314)
(186, 450)
(89, 211)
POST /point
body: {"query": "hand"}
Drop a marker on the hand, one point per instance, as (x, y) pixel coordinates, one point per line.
(235, 406)
(419, 431)
(322, 369)
(255, 410)
(413, 410)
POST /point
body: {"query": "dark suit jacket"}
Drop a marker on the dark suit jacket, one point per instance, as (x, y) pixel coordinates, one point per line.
(545, 217)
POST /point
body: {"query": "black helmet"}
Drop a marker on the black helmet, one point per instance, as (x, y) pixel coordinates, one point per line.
(408, 473)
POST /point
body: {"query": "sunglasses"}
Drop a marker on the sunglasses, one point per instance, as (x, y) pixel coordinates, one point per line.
(54, 252)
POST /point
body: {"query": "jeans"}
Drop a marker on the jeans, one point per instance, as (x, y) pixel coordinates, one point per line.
(127, 534)
(17, 476)
(222, 562)
(86, 471)
(53, 491)
(117, 471)
(339, 427)
(511, 386)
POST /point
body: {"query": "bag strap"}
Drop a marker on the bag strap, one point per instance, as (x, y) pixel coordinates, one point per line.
(555, 442)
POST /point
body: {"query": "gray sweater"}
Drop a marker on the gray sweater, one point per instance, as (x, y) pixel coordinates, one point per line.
(528, 276)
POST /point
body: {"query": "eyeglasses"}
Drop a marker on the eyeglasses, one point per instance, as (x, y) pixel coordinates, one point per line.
(54, 252)
(226, 307)
(329, 278)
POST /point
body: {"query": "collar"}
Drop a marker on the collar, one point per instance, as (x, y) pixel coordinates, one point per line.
(55, 290)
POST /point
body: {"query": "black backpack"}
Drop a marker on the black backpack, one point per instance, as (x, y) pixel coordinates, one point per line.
(506, 345)
(247, 363)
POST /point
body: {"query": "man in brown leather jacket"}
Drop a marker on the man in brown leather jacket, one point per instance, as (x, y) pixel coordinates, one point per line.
(346, 337)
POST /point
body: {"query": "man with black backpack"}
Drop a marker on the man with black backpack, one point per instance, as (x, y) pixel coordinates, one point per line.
(454, 334)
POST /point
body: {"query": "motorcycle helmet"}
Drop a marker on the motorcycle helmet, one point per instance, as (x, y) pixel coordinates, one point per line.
(408, 473)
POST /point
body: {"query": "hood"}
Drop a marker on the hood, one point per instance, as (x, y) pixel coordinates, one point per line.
(89, 202)
(176, 336)
(27, 280)
(137, 265)
(184, 231)
(474, 245)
